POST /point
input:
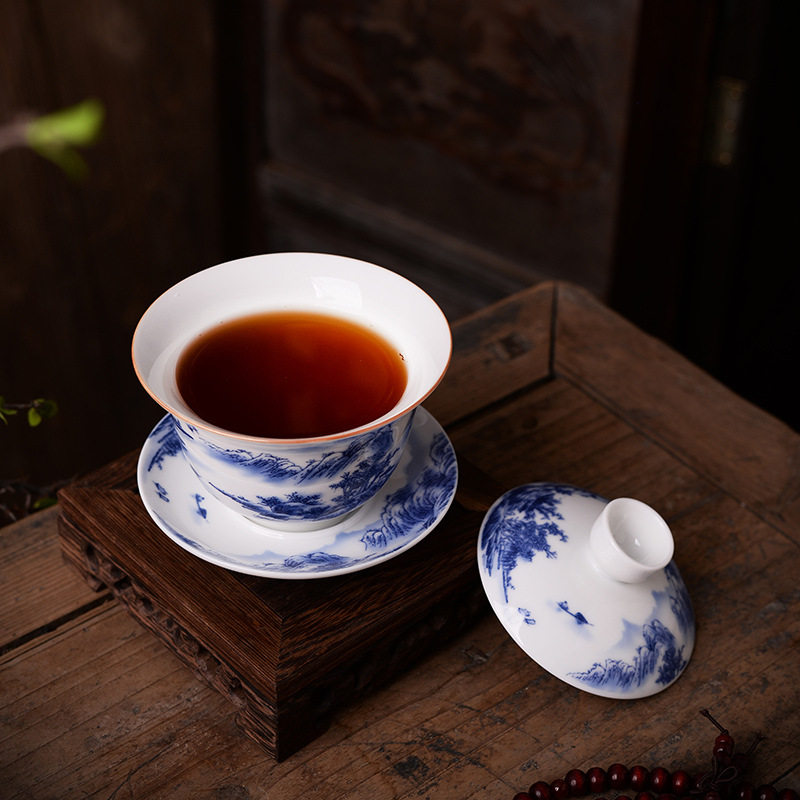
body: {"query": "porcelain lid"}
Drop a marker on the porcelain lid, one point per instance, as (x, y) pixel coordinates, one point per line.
(587, 588)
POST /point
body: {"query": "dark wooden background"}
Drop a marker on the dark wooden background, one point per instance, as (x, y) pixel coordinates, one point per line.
(476, 146)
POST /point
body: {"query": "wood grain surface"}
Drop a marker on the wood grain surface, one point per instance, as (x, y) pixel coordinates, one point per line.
(548, 384)
(287, 654)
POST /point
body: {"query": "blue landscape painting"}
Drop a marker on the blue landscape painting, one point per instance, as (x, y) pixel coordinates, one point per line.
(656, 651)
(168, 443)
(524, 524)
(358, 470)
(528, 523)
(417, 506)
(659, 653)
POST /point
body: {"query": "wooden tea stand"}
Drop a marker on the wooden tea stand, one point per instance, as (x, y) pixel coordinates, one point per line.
(398, 681)
(286, 653)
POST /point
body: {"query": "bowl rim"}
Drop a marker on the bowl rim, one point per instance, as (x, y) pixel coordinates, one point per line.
(400, 410)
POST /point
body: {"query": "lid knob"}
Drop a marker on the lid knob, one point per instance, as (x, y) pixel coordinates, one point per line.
(630, 541)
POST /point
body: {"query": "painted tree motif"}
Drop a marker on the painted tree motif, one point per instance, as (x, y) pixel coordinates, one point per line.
(523, 524)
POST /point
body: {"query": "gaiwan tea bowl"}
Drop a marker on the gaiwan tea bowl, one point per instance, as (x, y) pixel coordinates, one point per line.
(265, 392)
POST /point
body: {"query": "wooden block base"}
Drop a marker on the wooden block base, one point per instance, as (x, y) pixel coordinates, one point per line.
(286, 653)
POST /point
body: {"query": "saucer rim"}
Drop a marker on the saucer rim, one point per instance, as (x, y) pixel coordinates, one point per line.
(217, 557)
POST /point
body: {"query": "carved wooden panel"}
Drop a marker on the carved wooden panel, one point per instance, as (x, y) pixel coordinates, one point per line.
(498, 123)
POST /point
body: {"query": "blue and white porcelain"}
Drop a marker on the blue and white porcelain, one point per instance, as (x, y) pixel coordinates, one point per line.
(588, 588)
(296, 484)
(406, 509)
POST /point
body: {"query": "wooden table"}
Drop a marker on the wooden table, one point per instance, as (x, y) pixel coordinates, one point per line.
(548, 384)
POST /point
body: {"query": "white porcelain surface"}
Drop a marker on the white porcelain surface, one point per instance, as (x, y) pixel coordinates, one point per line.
(620, 625)
(408, 508)
(294, 483)
(630, 541)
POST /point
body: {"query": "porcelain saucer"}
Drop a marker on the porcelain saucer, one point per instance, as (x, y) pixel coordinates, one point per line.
(407, 509)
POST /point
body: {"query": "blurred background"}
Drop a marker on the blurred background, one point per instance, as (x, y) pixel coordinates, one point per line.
(644, 150)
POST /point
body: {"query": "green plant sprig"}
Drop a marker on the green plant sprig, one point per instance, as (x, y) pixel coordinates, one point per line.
(56, 136)
(35, 410)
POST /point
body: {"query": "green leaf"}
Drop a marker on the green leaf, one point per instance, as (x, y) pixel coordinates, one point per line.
(46, 408)
(44, 502)
(54, 136)
(70, 161)
(78, 125)
(34, 417)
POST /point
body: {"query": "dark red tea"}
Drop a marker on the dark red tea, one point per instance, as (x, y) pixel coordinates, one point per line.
(290, 375)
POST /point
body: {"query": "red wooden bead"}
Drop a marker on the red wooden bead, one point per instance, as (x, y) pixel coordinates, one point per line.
(723, 745)
(744, 791)
(617, 776)
(681, 782)
(788, 794)
(559, 789)
(638, 777)
(659, 780)
(766, 792)
(598, 782)
(540, 791)
(576, 780)
(522, 796)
